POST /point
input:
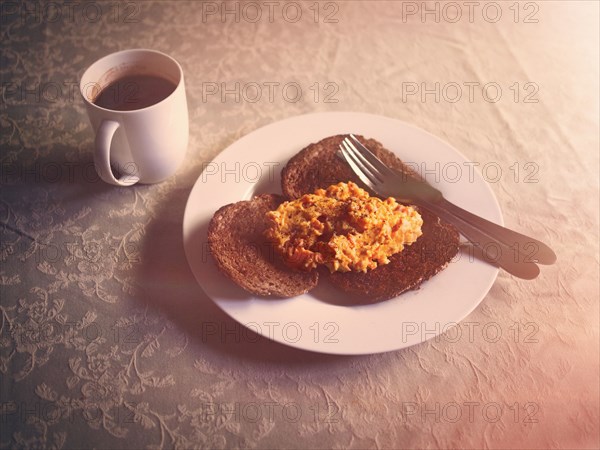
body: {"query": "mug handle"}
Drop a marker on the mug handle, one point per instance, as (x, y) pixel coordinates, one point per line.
(104, 137)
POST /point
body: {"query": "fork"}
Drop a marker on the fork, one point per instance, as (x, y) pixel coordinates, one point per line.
(510, 247)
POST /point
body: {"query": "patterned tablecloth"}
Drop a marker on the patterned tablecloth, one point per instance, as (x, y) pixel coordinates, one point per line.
(106, 339)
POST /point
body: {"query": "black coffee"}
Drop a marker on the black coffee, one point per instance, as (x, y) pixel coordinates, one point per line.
(134, 92)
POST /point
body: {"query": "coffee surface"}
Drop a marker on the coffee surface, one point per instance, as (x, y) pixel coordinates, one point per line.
(134, 92)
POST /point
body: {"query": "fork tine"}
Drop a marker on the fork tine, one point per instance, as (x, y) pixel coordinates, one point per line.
(362, 161)
(358, 170)
(373, 160)
(366, 168)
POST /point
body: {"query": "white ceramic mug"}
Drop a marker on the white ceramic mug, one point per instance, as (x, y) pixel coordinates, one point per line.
(144, 145)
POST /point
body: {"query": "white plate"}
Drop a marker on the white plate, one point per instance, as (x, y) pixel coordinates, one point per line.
(311, 321)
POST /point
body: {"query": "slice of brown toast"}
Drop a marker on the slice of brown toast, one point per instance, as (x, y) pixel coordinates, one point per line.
(408, 269)
(317, 166)
(241, 251)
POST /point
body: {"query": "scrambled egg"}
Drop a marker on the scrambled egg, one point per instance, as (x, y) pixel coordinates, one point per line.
(342, 228)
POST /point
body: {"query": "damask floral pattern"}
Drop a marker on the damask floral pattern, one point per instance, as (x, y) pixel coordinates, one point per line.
(107, 341)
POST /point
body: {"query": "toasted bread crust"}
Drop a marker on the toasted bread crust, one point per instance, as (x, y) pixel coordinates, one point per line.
(241, 251)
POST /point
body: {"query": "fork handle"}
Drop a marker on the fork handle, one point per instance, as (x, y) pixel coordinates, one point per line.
(501, 255)
(529, 249)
